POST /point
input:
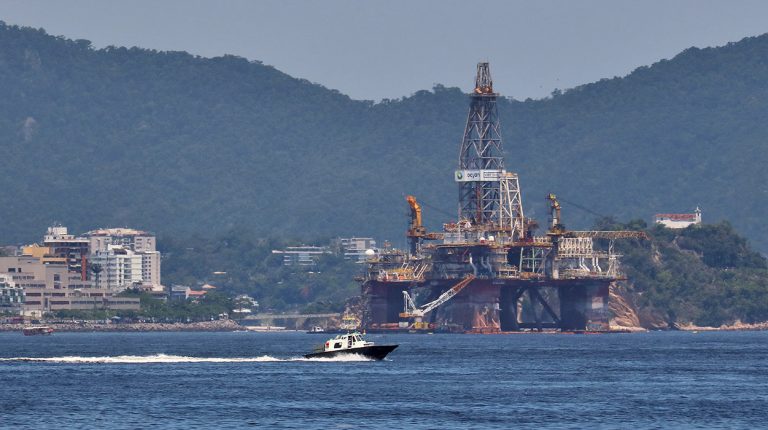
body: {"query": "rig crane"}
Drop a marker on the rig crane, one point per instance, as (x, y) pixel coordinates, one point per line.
(410, 310)
(416, 230)
(555, 227)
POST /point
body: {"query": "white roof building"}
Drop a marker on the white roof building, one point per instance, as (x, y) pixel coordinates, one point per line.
(679, 220)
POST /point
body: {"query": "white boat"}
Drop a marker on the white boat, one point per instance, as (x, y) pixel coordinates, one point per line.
(351, 343)
(316, 329)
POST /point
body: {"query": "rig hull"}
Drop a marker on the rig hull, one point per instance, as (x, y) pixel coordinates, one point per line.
(494, 305)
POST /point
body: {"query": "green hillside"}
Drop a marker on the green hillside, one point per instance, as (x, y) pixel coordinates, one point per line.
(706, 275)
(175, 143)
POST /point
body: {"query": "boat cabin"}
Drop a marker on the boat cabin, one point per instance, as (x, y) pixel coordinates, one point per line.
(346, 341)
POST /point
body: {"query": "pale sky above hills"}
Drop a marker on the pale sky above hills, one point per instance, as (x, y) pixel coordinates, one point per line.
(388, 49)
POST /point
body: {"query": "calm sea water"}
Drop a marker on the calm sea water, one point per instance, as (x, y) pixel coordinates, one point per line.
(237, 380)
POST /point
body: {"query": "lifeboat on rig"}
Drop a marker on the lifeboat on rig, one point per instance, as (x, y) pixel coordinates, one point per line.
(351, 344)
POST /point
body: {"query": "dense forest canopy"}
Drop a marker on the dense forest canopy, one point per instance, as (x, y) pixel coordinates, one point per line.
(180, 144)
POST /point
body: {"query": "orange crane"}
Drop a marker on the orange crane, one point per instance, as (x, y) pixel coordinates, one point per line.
(416, 230)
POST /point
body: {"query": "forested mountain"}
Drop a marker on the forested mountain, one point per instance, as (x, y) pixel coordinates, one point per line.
(174, 143)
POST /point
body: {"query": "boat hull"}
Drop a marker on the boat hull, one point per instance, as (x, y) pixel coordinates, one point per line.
(376, 352)
(37, 331)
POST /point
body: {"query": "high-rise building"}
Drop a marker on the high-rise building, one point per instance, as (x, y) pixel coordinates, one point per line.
(139, 242)
(150, 270)
(117, 268)
(11, 295)
(135, 240)
(73, 249)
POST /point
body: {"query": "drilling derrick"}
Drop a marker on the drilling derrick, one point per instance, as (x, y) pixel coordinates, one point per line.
(489, 197)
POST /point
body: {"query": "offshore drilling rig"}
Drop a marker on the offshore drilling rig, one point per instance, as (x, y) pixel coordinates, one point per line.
(487, 271)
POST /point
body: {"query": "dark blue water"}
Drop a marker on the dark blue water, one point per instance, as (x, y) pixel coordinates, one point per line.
(236, 380)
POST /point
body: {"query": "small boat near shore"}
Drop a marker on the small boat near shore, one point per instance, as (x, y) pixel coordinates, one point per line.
(316, 330)
(351, 344)
(37, 330)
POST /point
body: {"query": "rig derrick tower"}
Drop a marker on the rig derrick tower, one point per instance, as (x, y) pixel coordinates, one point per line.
(489, 196)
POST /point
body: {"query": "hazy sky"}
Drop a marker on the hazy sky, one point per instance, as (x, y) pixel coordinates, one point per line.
(388, 49)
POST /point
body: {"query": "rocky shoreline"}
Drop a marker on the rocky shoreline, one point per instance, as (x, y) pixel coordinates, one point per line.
(220, 325)
(736, 326)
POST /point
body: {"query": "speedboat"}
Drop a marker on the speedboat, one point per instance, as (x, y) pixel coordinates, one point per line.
(316, 329)
(36, 330)
(350, 344)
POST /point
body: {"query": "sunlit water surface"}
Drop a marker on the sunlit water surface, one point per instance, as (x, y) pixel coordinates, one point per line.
(236, 380)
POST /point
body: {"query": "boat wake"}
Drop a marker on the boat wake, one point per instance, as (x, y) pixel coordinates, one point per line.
(163, 358)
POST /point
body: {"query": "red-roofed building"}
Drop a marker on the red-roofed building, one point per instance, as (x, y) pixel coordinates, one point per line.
(192, 294)
(679, 220)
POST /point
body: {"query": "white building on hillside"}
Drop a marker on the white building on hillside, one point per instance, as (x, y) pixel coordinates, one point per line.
(353, 248)
(679, 220)
(302, 255)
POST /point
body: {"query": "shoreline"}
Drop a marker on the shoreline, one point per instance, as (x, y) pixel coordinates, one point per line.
(219, 325)
(232, 326)
(736, 326)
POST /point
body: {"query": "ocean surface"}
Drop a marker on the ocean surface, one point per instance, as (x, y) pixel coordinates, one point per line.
(241, 380)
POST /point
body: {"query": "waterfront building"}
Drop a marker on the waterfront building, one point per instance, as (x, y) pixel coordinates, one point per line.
(679, 220)
(117, 268)
(44, 253)
(52, 287)
(135, 240)
(11, 295)
(64, 245)
(302, 255)
(139, 242)
(150, 271)
(178, 292)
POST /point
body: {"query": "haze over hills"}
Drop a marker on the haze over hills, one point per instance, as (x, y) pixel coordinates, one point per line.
(175, 143)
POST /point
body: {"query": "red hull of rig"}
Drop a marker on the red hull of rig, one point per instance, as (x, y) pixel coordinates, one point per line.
(492, 307)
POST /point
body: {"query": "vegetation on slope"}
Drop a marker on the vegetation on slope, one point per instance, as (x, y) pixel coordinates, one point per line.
(175, 143)
(706, 275)
(245, 264)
